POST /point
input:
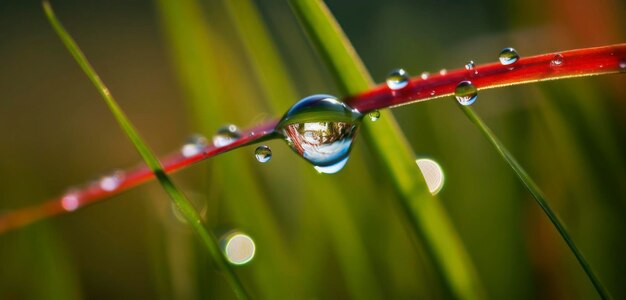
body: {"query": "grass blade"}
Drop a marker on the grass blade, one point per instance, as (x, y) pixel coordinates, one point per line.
(536, 193)
(185, 207)
(426, 216)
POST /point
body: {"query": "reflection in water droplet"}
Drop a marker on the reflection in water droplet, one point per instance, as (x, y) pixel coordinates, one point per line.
(557, 60)
(466, 93)
(424, 75)
(508, 56)
(443, 72)
(225, 135)
(397, 79)
(263, 153)
(374, 115)
(194, 145)
(70, 201)
(433, 174)
(320, 128)
(238, 248)
(111, 182)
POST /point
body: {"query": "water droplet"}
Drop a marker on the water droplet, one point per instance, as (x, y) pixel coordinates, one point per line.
(557, 60)
(226, 135)
(70, 201)
(374, 115)
(443, 72)
(433, 174)
(111, 182)
(397, 79)
(432, 93)
(194, 145)
(508, 56)
(320, 128)
(238, 247)
(471, 66)
(424, 75)
(466, 93)
(622, 65)
(263, 153)
(198, 201)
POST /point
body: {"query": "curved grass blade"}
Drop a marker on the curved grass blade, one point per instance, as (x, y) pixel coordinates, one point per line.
(181, 202)
(536, 193)
(426, 216)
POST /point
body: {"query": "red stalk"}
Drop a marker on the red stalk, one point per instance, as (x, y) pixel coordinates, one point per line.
(575, 63)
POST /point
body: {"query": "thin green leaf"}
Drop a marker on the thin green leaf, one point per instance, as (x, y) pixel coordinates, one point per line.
(426, 216)
(181, 202)
(534, 190)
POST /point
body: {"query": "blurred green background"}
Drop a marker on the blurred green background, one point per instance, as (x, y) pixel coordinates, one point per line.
(317, 236)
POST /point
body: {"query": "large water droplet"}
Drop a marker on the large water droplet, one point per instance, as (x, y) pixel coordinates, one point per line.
(466, 93)
(397, 79)
(263, 153)
(111, 182)
(508, 56)
(374, 115)
(557, 60)
(320, 128)
(194, 145)
(238, 248)
(225, 135)
(433, 174)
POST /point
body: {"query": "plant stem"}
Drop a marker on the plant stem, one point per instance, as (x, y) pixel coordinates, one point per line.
(536, 193)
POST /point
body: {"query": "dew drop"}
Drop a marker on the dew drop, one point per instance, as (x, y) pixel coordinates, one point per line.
(433, 174)
(238, 247)
(263, 153)
(508, 56)
(557, 60)
(622, 65)
(424, 75)
(471, 66)
(225, 135)
(466, 93)
(432, 93)
(397, 79)
(70, 201)
(320, 128)
(194, 145)
(111, 182)
(374, 115)
(443, 72)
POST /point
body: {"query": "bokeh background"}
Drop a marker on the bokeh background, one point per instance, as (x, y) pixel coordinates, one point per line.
(317, 236)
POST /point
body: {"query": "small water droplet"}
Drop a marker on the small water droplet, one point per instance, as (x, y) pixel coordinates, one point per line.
(432, 93)
(320, 128)
(471, 66)
(374, 115)
(508, 56)
(70, 201)
(397, 79)
(238, 247)
(557, 60)
(111, 182)
(622, 65)
(194, 145)
(433, 174)
(424, 75)
(466, 93)
(443, 72)
(225, 135)
(263, 153)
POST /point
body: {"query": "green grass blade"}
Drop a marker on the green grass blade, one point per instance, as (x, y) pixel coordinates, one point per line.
(426, 216)
(181, 202)
(534, 190)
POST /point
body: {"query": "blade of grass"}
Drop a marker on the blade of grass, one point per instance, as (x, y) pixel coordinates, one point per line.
(181, 202)
(536, 193)
(278, 89)
(426, 216)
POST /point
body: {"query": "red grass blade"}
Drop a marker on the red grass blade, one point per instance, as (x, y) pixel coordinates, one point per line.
(93, 193)
(575, 63)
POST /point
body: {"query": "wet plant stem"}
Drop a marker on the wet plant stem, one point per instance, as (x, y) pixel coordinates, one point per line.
(536, 193)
